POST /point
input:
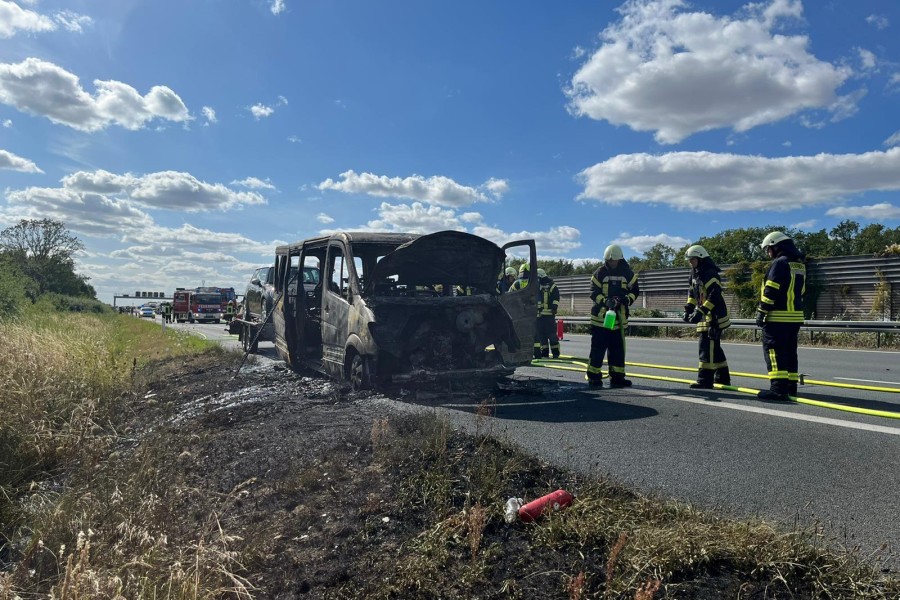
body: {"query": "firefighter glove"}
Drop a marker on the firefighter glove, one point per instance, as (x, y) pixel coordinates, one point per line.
(612, 302)
(688, 308)
(697, 316)
(686, 317)
(760, 318)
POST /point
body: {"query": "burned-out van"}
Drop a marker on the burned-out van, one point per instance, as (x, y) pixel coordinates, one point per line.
(394, 308)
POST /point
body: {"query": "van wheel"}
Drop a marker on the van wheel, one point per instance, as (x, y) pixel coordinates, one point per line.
(247, 340)
(359, 376)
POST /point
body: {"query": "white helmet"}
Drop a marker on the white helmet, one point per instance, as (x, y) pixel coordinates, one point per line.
(696, 251)
(774, 238)
(541, 273)
(613, 252)
(510, 271)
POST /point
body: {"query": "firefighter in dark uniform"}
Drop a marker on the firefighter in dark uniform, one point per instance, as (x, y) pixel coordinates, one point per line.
(780, 315)
(545, 339)
(614, 286)
(506, 280)
(229, 311)
(522, 282)
(706, 307)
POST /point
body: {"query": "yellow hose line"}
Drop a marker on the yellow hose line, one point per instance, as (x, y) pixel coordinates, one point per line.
(561, 362)
(869, 388)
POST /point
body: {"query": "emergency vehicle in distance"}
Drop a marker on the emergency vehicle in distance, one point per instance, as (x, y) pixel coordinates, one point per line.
(201, 304)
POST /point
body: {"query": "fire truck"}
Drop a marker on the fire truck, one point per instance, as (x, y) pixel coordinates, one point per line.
(201, 304)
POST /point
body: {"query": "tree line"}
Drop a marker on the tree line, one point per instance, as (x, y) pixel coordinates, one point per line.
(37, 261)
(741, 246)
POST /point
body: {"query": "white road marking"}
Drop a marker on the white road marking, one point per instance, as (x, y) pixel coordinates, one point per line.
(788, 415)
(868, 380)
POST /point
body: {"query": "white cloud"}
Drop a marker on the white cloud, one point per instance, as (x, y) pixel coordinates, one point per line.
(873, 212)
(209, 113)
(14, 18)
(879, 21)
(727, 182)
(170, 190)
(190, 237)
(255, 183)
(7, 123)
(260, 110)
(24, 86)
(277, 7)
(88, 213)
(10, 161)
(414, 218)
(642, 243)
(893, 140)
(558, 240)
(805, 224)
(323, 218)
(294, 139)
(73, 22)
(438, 190)
(676, 73)
(866, 59)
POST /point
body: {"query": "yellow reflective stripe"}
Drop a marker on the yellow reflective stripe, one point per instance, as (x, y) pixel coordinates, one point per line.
(691, 300)
(617, 369)
(724, 322)
(709, 304)
(773, 360)
(763, 298)
(594, 370)
(778, 374)
(785, 316)
(710, 282)
(793, 376)
(773, 284)
(595, 282)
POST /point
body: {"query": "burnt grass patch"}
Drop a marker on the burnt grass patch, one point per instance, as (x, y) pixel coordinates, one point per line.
(282, 485)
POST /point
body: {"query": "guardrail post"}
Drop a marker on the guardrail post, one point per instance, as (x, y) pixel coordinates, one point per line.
(878, 339)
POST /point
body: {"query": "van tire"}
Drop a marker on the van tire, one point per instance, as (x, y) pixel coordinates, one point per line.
(359, 374)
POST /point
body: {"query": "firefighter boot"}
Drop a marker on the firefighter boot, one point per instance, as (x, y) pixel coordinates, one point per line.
(704, 380)
(777, 392)
(723, 376)
(545, 351)
(537, 351)
(618, 380)
(792, 388)
(555, 352)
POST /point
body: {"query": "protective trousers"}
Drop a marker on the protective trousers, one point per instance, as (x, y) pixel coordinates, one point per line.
(545, 339)
(713, 365)
(605, 340)
(779, 341)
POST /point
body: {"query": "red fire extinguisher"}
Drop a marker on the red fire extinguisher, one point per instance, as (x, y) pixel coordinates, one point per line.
(552, 501)
(560, 329)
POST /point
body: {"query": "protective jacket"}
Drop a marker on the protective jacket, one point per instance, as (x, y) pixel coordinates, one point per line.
(548, 298)
(705, 294)
(519, 284)
(620, 283)
(781, 299)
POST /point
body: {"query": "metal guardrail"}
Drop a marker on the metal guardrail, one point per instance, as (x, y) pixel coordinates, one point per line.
(877, 327)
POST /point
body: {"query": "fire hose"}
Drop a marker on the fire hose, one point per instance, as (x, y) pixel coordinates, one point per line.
(574, 363)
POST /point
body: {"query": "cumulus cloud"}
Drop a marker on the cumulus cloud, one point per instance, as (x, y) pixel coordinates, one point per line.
(665, 69)
(700, 181)
(878, 21)
(873, 212)
(866, 59)
(557, 240)
(14, 18)
(323, 218)
(170, 190)
(10, 161)
(439, 190)
(88, 213)
(642, 243)
(414, 218)
(24, 86)
(277, 7)
(893, 140)
(260, 110)
(255, 183)
(809, 224)
(7, 123)
(209, 113)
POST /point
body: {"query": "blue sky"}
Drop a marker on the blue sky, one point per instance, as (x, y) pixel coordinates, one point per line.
(182, 140)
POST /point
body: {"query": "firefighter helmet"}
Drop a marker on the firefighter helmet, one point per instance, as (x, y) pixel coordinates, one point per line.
(524, 268)
(613, 252)
(773, 239)
(696, 251)
(510, 271)
(541, 273)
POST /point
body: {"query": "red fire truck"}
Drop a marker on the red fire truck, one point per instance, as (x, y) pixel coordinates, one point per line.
(201, 304)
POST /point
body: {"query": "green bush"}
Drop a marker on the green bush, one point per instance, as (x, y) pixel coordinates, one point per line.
(62, 303)
(12, 295)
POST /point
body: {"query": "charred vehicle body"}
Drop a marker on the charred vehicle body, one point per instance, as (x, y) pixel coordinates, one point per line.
(384, 308)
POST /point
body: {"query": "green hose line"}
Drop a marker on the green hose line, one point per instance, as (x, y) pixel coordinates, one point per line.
(574, 363)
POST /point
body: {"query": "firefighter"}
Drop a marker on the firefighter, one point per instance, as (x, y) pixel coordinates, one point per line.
(522, 282)
(229, 311)
(706, 307)
(545, 339)
(614, 286)
(780, 315)
(506, 280)
(167, 312)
